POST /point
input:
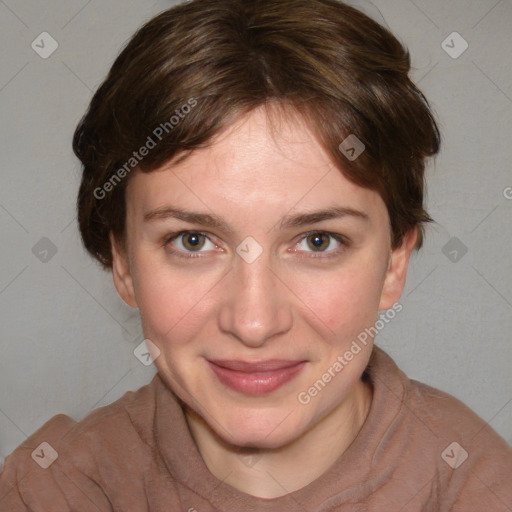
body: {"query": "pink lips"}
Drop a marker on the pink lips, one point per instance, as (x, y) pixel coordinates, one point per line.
(255, 378)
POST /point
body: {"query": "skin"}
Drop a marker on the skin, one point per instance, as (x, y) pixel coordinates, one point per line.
(295, 301)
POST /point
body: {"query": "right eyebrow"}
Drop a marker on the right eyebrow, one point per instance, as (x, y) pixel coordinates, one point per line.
(205, 219)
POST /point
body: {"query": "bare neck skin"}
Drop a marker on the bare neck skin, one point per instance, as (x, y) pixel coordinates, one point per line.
(271, 473)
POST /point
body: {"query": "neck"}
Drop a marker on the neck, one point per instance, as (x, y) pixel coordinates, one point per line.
(271, 473)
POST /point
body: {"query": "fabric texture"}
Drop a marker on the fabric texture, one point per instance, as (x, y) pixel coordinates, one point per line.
(137, 455)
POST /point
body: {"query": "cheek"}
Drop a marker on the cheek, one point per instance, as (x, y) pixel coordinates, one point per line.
(172, 302)
(345, 300)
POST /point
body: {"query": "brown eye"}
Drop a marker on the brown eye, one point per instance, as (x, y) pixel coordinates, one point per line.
(318, 241)
(193, 241)
(322, 244)
(189, 243)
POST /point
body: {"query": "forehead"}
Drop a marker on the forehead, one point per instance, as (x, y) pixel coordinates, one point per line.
(258, 164)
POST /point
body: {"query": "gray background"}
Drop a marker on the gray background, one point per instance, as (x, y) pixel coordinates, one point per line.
(67, 339)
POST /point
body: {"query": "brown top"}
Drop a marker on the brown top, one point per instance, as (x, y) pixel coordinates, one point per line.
(137, 455)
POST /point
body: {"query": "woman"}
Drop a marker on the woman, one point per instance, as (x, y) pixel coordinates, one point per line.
(253, 176)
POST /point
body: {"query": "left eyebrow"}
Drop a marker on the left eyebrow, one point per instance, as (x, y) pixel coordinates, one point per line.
(287, 222)
(302, 219)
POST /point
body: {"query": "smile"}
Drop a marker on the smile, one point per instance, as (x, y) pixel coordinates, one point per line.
(255, 378)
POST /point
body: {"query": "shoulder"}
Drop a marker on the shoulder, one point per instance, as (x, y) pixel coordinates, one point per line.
(450, 418)
(474, 461)
(131, 415)
(443, 414)
(44, 463)
(467, 462)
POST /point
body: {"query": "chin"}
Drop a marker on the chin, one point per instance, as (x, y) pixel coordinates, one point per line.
(260, 430)
(260, 440)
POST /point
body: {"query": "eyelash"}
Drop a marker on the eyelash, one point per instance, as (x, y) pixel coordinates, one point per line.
(342, 240)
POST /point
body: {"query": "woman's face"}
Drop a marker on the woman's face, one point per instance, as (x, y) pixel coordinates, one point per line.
(249, 298)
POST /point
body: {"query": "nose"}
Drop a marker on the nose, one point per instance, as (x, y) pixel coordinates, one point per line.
(255, 308)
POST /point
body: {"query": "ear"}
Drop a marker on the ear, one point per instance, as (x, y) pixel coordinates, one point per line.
(397, 271)
(121, 272)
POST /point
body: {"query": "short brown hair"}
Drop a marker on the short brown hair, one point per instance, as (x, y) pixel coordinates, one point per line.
(339, 69)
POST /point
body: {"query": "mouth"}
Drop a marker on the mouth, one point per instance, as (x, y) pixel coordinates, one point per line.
(256, 378)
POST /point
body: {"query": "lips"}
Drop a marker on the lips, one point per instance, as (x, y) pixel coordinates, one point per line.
(255, 378)
(262, 366)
